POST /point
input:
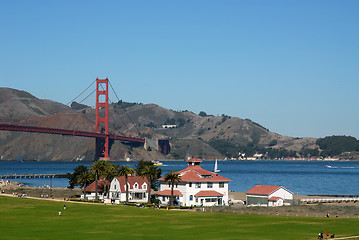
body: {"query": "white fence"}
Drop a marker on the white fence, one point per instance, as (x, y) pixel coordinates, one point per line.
(330, 200)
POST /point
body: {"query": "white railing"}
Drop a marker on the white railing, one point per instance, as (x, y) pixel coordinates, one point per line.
(332, 199)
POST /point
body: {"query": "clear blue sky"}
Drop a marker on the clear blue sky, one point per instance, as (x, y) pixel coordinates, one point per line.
(292, 66)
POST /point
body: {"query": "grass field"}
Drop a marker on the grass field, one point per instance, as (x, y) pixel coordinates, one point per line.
(22, 218)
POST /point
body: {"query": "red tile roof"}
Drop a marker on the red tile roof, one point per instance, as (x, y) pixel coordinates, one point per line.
(194, 173)
(132, 180)
(274, 198)
(100, 186)
(262, 189)
(208, 194)
(167, 192)
(194, 160)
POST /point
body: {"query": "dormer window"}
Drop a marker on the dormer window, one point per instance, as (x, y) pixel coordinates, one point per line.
(206, 176)
(136, 186)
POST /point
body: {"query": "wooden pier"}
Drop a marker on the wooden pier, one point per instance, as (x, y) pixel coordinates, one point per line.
(16, 176)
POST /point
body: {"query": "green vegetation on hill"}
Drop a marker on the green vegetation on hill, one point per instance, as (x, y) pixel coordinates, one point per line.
(335, 145)
(23, 218)
(328, 146)
(231, 149)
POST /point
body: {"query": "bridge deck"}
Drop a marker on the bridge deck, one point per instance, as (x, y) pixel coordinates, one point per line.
(13, 127)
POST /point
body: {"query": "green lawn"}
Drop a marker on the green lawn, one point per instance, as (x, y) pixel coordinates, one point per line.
(22, 218)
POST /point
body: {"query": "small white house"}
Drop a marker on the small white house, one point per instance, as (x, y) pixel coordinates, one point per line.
(169, 126)
(267, 195)
(137, 186)
(91, 190)
(198, 187)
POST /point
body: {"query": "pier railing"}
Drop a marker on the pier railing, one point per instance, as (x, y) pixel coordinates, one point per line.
(330, 200)
(15, 176)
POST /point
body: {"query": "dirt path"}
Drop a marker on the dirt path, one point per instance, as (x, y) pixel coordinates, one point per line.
(348, 237)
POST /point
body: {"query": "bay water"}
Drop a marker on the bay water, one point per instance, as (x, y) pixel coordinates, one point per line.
(300, 177)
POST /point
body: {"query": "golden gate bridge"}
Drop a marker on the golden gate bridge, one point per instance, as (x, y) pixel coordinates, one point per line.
(103, 139)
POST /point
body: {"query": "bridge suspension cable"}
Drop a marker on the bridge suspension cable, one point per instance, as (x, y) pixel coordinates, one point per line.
(129, 118)
(122, 122)
(51, 114)
(128, 115)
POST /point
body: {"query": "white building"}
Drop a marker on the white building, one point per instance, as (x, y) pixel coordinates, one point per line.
(198, 187)
(137, 189)
(91, 190)
(266, 195)
(169, 126)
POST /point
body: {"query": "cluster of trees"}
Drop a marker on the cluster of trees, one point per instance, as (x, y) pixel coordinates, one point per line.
(231, 149)
(328, 146)
(335, 145)
(78, 106)
(126, 104)
(171, 121)
(104, 170)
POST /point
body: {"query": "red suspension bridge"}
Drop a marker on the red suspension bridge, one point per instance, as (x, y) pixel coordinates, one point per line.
(103, 139)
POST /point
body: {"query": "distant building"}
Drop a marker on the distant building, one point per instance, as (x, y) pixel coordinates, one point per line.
(267, 195)
(258, 155)
(138, 190)
(169, 126)
(198, 187)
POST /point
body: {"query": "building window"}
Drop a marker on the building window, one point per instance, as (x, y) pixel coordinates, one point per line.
(191, 197)
(163, 198)
(136, 185)
(209, 185)
(115, 186)
(221, 184)
(138, 196)
(190, 184)
(144, 186)
(198, 185)
(206, 176)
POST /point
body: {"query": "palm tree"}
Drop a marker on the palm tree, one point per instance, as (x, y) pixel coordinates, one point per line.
(125, 171)
(149, 171)
(172, 177)
(97, 169)
(84, 179)
(109, 173)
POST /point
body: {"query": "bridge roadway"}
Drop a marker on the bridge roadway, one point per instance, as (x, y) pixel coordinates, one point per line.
(13, 127)
(14, 176)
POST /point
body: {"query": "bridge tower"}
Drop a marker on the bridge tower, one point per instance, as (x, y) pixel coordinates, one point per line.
(102, 103)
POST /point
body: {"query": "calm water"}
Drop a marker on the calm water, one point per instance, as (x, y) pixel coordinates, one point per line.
(301, 177)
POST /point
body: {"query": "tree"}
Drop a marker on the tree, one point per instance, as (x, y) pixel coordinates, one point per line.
(73, 177)
(202, 114)
(97, 169)
(149, 171)
(125, 171)
(109, 172)
(84, 179)
(172, 178)
(142, 164)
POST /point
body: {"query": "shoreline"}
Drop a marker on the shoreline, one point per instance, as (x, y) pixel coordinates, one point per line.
(183, 160)
(335, 209)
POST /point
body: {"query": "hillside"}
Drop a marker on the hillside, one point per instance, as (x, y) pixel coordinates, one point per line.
(191, 136)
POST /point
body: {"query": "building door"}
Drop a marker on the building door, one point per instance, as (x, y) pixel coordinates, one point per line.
(219, 201)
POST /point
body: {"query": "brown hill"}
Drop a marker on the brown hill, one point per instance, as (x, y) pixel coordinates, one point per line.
(189, 137)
